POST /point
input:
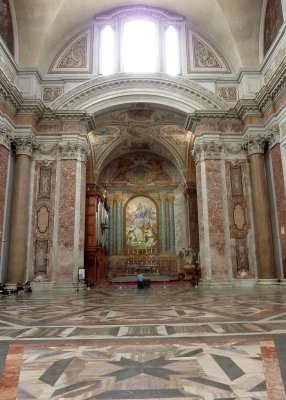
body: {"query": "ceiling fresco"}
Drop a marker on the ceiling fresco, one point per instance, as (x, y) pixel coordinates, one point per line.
(150, 130)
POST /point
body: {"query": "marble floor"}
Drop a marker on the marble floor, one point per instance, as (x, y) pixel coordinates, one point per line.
(166, 342)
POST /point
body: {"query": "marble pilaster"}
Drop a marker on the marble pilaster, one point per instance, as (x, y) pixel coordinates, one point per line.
(5, 147)
(70, 226)
(211, 213)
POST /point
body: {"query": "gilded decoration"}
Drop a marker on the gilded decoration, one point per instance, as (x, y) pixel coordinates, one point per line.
(273, 22)
(51, 93)
(6, 25)
(228, 93)
(141, 223)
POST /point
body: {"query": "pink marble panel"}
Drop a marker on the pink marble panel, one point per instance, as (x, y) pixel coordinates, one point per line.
(200, 219)
(280, 200)
(215, 195)
(66, 222)
(82, 214)
(47, 235)
(4, 158)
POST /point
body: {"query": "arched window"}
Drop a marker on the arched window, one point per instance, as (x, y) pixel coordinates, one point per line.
(139, 39)
(107, 59)
(172, 53)
(140, 50)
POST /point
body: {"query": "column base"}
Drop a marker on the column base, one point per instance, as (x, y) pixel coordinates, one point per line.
(216, 283)
(267, 282)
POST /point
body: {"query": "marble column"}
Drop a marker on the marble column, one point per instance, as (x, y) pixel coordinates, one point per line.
(111, 225)
(6, 138)
(261, 210)
(171, 199)
(163, 226)
(273, 138)
(20, 209)
(119, 199)
(191, 194)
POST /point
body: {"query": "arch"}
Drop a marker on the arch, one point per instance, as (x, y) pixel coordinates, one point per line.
(110, 91)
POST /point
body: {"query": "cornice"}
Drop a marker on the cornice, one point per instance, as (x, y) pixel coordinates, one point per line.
(247, 107)
(34, 107)
(66, 116)
(211, 117)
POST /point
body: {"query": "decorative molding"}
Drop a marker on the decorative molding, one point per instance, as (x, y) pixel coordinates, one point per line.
(202, 54)
(101, 87)
(75, 56)
(6, 136)
(51, 93)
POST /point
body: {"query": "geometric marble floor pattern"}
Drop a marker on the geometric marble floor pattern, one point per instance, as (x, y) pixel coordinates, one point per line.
(166, 342)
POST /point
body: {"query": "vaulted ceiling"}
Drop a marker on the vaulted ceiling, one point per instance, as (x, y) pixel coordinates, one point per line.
(42, 24)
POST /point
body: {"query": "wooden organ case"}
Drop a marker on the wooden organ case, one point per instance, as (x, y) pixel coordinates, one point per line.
(96, 235)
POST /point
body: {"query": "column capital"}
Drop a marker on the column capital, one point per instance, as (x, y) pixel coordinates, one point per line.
(118, 196)
(25, 145)
(207, 150)
(6, 136)
(253, 144)
(73, 150)
(171, 198)
(272, 135)
(162, 196)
